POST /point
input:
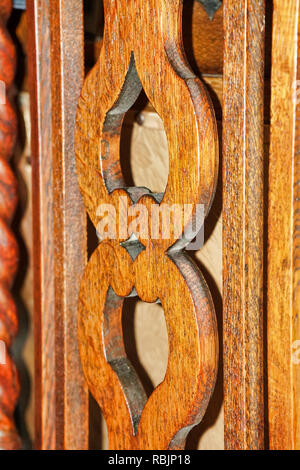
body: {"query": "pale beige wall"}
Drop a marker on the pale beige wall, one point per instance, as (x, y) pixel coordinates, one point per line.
(147, 145)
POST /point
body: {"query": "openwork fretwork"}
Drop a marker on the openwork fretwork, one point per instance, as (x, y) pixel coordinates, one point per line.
(142, 48)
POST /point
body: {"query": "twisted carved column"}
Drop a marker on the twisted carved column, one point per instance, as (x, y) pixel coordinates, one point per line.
(9, 385)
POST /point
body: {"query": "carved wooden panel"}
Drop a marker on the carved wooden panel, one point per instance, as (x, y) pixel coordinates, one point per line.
(142, 48)
(9, 383)
(42, 201)
(284, 225)
(59, 230)
(210, 6)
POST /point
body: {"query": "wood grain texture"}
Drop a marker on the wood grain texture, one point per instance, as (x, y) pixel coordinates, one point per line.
(243, 223)
(284, 216)
(296, 259)
(9, 382)
(149, 163)
(38, 18)
(203, 38)
(69, 223)
(132, 57)
(211, 6)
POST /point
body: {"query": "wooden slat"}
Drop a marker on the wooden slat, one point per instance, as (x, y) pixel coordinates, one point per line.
(243, 223)
(284, 228)
(67, 70)
(56, 74)
(42, 206)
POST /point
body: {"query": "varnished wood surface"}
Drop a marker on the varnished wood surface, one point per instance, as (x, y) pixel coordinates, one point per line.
(180, 401)
(9, 381)
(243, 223)
(296, 261)
(69, 223)
(283, 253)
(145, 336)
(203, 38)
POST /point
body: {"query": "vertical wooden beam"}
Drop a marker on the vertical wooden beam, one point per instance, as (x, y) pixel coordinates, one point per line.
(141, 52)
(296, 256)
(284, 231)
(9, 383)
(42, 207)
(67, 73)
(56, 74)
(243, 223)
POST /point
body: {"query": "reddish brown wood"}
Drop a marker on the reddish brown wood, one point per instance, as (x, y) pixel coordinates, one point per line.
(243, 156)
(9, 383)
(42, 204)
(202, 39)
(284, 227)
(138, 52)
(67, 69)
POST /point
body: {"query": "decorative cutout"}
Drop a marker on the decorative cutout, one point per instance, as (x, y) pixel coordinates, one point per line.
(211, 6)
(9, 383)
(143, 48)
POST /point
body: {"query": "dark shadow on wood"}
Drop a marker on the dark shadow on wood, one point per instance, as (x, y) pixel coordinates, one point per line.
(216, 400)
(267, 105)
